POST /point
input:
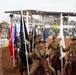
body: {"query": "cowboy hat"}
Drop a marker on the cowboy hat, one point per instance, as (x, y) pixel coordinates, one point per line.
(41, 41)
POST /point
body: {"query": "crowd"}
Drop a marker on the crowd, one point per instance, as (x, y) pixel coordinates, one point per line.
(3, 36)
(53, 22)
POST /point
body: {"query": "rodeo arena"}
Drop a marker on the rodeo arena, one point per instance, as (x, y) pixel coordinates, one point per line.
(38, 43)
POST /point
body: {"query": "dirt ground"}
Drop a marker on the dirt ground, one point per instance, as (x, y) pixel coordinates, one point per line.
(7, 64)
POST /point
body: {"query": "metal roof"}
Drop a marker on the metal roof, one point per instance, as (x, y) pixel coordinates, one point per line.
(18, 12)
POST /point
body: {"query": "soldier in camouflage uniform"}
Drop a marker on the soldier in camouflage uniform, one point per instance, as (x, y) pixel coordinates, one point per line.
(72, 52)
(55, 54)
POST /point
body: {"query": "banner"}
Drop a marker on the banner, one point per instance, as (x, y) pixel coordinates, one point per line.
(3, 42)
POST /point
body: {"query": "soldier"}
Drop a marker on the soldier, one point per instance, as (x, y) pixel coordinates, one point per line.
(39, 52)
(35, 54)
(55, 54)
(37, 40)
(72, 51)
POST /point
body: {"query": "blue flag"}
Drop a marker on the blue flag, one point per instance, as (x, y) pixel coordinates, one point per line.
(15, 34)
(45, 34)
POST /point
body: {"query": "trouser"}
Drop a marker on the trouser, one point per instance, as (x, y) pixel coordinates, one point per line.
(34, 67)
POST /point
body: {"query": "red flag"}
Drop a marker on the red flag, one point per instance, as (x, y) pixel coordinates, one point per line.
(10, 45)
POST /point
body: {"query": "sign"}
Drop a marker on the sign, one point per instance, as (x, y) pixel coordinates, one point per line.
(55, 26)
(3, 42)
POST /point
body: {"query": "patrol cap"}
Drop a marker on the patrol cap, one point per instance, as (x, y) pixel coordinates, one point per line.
(73, 38)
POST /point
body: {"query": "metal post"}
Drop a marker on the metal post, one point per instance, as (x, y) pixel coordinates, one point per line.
(27, 20)
(68, 23)
(25, 43)
(33, 28)
(61, 42)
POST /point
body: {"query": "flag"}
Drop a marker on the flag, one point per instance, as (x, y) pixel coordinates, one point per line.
(32, 39)
(22, 33)
(15, 34)
(38, 31)
(61, 43)
(24, 41)
(26, 33)
(45, 34)
(34, 34)
(10, 45)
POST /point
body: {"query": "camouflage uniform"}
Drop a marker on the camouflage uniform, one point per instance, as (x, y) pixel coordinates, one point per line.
(72, 51)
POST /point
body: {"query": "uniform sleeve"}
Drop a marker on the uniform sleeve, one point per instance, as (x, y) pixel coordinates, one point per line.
(49, 46)
(46, 53)
(66, 49)
(32, 54)
(58, 46)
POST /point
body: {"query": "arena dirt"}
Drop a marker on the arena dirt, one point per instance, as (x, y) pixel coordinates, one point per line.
(7, 64)
(6, 61)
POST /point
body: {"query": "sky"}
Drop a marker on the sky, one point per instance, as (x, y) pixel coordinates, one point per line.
(45, 5)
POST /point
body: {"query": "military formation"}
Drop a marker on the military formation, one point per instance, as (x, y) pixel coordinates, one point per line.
(52, 60)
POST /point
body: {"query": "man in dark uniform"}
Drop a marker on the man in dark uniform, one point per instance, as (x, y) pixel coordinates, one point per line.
(55, 54)
(72, 51)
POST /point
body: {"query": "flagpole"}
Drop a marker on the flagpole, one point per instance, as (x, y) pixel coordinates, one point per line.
(25, 43)
(33, 36)
(11, 17)
(44, 31)
(61, 42)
